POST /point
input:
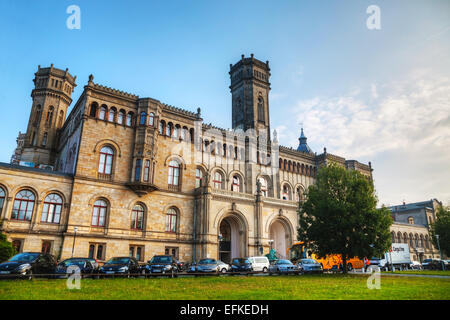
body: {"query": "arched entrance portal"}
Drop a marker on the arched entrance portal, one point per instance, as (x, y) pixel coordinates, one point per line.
(232, 240)
(281, 236)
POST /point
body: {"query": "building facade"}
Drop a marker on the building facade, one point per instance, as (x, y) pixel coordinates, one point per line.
(411, 225)
(125, 175)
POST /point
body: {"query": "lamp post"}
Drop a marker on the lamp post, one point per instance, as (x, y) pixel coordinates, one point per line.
(440, 253)
(270, 243)
(75, 229)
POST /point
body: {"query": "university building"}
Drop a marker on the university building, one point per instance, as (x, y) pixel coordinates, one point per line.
(126, 175)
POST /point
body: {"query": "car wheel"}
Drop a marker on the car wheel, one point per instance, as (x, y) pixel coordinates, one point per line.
(223, 270)
(349, 267)
(264, 270)
(29, 274)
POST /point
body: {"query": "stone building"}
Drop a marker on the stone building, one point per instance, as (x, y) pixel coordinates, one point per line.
(411, 225)
(126, 175)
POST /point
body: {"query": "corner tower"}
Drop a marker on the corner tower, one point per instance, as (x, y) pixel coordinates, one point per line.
(250, 88)
(51, 98)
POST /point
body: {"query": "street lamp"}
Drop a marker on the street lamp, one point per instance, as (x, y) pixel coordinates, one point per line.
(270, 243)
(75, 229)
(439, 248)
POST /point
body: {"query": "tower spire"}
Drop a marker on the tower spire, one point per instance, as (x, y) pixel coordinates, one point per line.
(303, 145)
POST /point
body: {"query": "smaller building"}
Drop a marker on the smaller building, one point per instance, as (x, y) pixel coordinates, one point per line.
(411, 225)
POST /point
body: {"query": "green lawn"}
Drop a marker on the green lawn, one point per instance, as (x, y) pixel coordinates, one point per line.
(252, 288)
(424, 272)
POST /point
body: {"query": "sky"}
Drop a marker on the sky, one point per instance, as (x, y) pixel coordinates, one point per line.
(379, 95)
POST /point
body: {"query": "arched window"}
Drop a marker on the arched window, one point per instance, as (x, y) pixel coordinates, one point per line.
(112, 114)
(171, 220)
(393, 237)
(236, 186)
(106, 160)
(2, 200)
(143, 118)
(49, 119)
(184, 133)
(37, 118)
(286, 195)
(51, 212)
(198, 177)
(93, 111)
(174, 173)
(169, 129)
(23, 205)
(263, 182)
(102, 114)
(261, 109)
(137, 217)
(129, 119)
(99, 213)
(151, 119)
(61, 119)
(176, 131)
(299, 194)
(120, 117)
(218, 180)
(162, 127)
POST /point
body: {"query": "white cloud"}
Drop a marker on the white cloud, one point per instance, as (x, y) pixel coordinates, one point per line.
(410, 117)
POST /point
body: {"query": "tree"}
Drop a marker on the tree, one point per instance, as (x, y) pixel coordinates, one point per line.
(6, 248)
(441, 227)
(339, 216)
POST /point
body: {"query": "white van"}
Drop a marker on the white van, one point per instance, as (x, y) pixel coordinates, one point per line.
(259, 263)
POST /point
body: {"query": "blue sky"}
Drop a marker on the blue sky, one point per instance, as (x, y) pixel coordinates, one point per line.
(371, 95)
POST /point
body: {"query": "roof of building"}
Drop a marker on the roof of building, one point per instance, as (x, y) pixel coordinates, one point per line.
(412, 206)
(303, 145)
(35, 170)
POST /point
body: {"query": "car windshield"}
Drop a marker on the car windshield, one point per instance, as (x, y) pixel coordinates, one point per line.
(118, 261)
(284, 262)
(73, 262)
(207, 261)
(427, 260)
(309, 261)
(24, 257)
(240, 260)
(161, 259)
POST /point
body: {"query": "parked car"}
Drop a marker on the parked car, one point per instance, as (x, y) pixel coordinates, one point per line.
(446, 264)
(65, 268)
(94, 262)
(241, 265)
(309, 266)
(125, 266)
(260, 263)
(282, 266)
(415, 265)
(27, 264)
(163, 264)
(211, 265)
(432, 264)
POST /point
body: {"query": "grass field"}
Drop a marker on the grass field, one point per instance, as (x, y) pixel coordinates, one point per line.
(213, 288)
(424, 272)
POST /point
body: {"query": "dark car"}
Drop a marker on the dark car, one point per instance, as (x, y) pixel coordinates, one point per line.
(125, 266)
(432, 264)
(163, 264)
(241, 265)
(27, 264)
(68, 266)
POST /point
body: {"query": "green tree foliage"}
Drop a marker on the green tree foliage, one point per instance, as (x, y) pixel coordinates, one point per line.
(6, 248)
(442, 227)
(339, 216)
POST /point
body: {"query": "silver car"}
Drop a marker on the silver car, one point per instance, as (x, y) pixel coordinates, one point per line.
(282, 266)
(310, 266)
(212, 265)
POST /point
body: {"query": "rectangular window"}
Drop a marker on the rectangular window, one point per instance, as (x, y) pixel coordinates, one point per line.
(147, 171)
(97, 251)
(46, 246)
(173, 251)
(18, 245)
(137, 252)
(137, 176)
